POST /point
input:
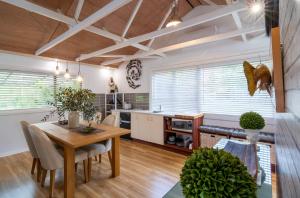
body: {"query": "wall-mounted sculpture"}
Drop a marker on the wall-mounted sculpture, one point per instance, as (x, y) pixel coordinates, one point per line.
(134, 73)
(258, 78)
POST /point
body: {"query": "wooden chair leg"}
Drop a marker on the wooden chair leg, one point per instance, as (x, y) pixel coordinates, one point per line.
(52, 182)
(96, 158)
(44, 174)
(33, 165)
(110, 158)
(76, 167)
(89, 168)
(99, 158)
(85, 170)
(39, 168)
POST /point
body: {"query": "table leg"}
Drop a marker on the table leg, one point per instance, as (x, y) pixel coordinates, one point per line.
(116, 156)
(69, 172)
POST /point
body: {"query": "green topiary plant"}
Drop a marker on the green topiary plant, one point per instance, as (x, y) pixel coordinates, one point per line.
(212, 173)
(252, 120)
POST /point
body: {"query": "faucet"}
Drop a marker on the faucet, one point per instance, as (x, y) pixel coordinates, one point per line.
(160, 108)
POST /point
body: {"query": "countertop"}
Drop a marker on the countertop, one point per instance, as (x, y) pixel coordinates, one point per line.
(163, 113)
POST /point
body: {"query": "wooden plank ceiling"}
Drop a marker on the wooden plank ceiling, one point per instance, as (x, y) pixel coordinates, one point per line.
(25, 32)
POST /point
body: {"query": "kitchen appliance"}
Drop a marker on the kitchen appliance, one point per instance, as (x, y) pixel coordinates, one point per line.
(182, 125)
(125, 122)
(127, 106)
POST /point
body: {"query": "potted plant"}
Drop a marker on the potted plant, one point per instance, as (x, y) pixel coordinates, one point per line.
(216, 173)
(72, 101)
(252, 122)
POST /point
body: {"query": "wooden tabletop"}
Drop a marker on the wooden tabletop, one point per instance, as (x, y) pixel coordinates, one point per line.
(76, 139)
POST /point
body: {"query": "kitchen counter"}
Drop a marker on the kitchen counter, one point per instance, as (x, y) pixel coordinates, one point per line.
(163, 113)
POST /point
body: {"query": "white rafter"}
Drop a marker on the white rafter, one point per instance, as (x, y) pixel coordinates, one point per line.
(194, 42)
(78, 9)
(132, 16)
(184, 25)
(162, 23)
(69, 21)
(209, 2)
(103, 12)
(238, 23)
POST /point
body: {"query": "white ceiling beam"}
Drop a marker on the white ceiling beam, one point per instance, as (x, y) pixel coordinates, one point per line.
(191, 43)
(162, 23)
(132, 16)
(224, 11)
(78, 9)
(103, 12)
(238, 22)
(69, 21)
(209, 2)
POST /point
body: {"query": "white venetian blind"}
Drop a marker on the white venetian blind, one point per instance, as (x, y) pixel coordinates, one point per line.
(24, 90)
(21, 90)
(218, 90)
(176, 90)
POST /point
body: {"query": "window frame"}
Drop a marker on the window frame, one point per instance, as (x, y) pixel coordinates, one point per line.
(202, 65)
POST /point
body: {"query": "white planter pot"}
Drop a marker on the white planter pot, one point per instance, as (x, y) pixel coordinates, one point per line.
(73, 119)
(252, 135)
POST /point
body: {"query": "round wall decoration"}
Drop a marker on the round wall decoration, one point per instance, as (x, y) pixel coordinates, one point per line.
(134, 73)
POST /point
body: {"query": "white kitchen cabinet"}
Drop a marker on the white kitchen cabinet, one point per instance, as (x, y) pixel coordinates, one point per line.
(147, 127)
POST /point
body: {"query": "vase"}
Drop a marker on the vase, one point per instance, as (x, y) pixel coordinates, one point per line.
(73, 118)
(252, 135)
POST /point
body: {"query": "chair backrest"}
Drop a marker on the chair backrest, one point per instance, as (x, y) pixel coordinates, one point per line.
(25, 128)
(48, 155)
(109, 120)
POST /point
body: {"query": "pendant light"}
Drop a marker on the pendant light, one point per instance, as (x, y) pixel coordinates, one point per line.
(256, 6)
(79, 77)
(175, 19)
(67, 74)
(57, 68)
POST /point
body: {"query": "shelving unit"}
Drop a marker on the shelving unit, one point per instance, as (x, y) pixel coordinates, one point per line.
(195, 136)
(113, 101)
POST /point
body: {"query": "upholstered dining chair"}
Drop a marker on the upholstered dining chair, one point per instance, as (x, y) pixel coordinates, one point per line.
(52, 158)
(36, 162)
(100, 148)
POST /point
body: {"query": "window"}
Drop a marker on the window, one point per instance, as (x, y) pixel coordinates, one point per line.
(23, 90)
(218, 90)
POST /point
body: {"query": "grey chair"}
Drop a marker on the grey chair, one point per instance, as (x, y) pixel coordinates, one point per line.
(36, 162)
(52, 158)
(100, 148)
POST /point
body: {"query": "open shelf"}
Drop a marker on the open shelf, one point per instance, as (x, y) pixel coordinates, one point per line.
(177, 147)
(178, 132)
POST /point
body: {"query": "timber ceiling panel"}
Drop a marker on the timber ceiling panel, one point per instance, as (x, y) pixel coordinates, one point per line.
(23, 31)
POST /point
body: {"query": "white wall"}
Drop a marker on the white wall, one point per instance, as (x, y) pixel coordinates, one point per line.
(11, 137)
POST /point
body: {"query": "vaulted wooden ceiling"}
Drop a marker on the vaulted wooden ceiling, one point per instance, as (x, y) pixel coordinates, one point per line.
(25, 32)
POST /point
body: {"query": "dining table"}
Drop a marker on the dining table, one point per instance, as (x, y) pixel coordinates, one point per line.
(72, 139)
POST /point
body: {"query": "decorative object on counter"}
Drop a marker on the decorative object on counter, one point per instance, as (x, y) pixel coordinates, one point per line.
(258, 78)
(216, 173)
(127, 106)
(134, 73)
(113, 88)
(252, 122)
(74, 101)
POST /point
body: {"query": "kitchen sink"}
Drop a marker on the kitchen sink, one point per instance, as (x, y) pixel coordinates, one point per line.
(156, 111)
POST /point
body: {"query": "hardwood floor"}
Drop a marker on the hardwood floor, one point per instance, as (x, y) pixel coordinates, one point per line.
(146, 171)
